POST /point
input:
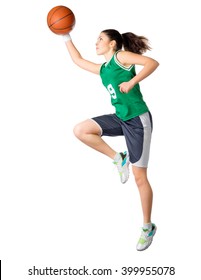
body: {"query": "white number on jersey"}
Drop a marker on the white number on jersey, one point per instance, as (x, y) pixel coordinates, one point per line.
(111, 91)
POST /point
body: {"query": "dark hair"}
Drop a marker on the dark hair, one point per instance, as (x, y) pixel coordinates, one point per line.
(130, 41)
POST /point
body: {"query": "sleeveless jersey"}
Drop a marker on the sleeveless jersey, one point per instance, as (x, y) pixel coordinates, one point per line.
(127, 105)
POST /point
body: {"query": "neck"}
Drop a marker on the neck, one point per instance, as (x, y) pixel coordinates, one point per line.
(109, 55)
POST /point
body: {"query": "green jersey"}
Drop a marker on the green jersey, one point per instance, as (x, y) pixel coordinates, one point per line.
(127, 105)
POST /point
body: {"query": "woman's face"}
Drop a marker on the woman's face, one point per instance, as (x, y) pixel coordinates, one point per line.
(103, 44)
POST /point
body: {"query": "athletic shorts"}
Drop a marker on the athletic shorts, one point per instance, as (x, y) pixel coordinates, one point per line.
(137, 132)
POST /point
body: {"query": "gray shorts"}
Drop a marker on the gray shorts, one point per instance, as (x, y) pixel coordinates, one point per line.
(137, 132)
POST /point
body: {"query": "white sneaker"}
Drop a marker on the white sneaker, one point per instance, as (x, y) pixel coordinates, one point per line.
(121, 160)
(146, 238)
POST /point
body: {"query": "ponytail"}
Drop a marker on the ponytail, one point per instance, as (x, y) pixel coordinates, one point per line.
(135, 43)
(130, 41)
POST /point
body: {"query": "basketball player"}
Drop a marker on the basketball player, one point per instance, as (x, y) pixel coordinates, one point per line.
(132, 117)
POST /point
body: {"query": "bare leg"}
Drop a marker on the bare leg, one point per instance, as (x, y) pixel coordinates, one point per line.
(89, 133)
(145, 190)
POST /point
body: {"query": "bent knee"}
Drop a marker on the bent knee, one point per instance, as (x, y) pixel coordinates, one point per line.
(79, 130)
(84, 128)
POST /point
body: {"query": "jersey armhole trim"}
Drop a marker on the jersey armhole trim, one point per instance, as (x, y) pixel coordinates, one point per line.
(121, 65)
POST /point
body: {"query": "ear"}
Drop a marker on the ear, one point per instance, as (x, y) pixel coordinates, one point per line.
(113, 44)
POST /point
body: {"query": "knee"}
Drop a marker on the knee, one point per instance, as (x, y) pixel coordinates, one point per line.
(140, 178)
(85, 128)
(140, 181)
(79, 130)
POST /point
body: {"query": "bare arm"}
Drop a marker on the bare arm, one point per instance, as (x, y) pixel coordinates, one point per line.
(128, 58)
(79, 60)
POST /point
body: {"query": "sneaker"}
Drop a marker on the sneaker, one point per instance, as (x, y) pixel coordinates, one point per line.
(121, 160)
(146, 238)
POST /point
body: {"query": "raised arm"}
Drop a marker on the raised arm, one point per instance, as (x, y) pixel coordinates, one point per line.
(78, 59)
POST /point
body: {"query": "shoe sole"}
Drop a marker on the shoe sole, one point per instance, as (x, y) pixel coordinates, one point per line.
(127, 165)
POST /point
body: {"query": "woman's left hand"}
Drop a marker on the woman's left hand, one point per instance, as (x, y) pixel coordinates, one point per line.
(125, 87)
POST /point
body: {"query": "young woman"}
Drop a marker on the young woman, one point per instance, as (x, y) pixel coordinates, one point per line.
(132, 117)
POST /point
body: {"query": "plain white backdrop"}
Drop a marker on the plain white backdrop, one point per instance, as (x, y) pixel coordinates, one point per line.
(61, 203)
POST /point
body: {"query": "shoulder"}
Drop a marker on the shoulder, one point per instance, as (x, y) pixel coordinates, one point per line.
(129, 58)
(124, 58)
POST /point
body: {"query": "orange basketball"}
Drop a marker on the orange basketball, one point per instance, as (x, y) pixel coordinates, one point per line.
(60, 20)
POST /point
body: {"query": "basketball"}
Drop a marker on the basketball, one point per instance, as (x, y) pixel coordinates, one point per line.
(61, 20)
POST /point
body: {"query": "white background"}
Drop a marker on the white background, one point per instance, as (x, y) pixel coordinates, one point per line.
(61, 203)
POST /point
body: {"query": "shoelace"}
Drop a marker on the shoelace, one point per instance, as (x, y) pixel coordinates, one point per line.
(144, 233)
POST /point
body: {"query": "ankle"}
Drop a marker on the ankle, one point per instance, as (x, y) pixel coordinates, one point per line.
(147, 225)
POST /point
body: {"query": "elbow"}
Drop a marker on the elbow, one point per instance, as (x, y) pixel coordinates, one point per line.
(76, 61)
(156, 64)
(152, 63)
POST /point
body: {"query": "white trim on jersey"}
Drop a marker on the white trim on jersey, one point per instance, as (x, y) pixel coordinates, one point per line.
(121, 65)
